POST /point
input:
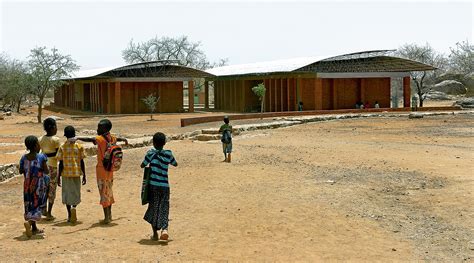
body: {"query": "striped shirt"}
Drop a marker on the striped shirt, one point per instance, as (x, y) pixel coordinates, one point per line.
(159, 161)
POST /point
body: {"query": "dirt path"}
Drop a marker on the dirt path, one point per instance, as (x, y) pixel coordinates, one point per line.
(363, 189)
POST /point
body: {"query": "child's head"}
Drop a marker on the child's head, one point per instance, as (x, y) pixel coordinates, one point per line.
(49, 125)
(69, 132)
(159, 140)
(32, 144)
(104, 126)
(226, 119)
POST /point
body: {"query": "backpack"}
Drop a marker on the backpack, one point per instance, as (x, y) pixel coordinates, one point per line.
(226, 137)
(113, 156)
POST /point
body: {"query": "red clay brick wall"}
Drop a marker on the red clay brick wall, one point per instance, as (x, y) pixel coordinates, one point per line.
(377, 89)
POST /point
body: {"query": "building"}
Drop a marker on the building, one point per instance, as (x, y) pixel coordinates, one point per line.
(319, 83)
(119, 90)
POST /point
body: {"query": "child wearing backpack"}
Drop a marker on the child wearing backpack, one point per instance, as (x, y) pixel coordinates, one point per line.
(71, 168)
(109, 158)
(226, 139)
(159, 189)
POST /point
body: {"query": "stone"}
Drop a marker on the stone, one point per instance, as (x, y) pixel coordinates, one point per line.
(56, 118)
(415, 115)
(437, 95)
(465, 102)
(452, 87)
(8, 113)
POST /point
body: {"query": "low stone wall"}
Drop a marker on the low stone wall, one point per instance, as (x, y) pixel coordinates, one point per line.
(8, 171)
(198, 120)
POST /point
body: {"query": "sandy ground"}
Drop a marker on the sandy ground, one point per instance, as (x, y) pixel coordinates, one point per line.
(361, 190)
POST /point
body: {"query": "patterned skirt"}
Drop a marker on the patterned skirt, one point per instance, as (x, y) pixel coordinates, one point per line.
(158, 207)
(105, 192)
(35, 196)
(53, 183)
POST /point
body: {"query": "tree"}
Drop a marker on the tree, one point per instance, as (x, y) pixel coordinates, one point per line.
(424, 54)
(151, 101)
(180, 49)
(48, 69)
(15, 82)
(462, 58)
(260, 90)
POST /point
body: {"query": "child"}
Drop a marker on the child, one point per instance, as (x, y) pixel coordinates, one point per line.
(105, 178)
(226, 139)
(49, 146)
(33, 166)
(71, 167)
(159, 189)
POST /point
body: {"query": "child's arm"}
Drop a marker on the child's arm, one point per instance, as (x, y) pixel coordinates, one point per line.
(22, 162)
(173, 161)
(120, 139)
(83, 168)
(146, 161)
(87, 139)
(44, 165)
(60, 171)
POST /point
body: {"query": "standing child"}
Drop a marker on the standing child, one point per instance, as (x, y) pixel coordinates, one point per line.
(226, 139)
(159, 189)
(105, 178)
(33, 166)
(49, 146)
(71, 167)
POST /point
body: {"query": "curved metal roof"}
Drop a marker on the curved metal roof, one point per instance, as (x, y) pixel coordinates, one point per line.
(151, 69)
(365, 61)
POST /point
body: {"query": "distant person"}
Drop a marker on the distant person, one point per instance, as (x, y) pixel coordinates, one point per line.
(226, 139)
(105, 175)
(300, 106)
(33, 166)
(366, 105)
(158, 189)
(71, 168)
(376, 105)
(361, 106)
(49, 146)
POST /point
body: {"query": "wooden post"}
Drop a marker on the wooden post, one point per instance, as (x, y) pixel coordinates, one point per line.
(191, 95)
(117, 97)
(206, 94)
(406, 92)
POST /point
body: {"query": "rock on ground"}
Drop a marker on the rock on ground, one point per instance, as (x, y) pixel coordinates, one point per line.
(450, 87)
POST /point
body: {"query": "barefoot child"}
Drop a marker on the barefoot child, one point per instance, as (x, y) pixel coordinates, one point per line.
(226, 139)
(159, 189)
(105, 178)
(49, 146)
(71, 167)
(33, 166)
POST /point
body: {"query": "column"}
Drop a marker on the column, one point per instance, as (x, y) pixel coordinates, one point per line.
(206, 94)
(191, 95)
(406, 92)
(117, 97)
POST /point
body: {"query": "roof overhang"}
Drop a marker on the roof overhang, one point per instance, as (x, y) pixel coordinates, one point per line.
(146, 70)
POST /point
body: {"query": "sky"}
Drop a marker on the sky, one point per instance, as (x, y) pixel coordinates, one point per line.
(95, 32)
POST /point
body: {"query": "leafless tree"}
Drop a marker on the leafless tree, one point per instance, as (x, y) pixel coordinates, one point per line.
(425, 54)
(181, 49)
(48, 69)
(462, 58)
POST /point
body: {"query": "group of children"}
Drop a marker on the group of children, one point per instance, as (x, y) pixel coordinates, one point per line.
(49, 164)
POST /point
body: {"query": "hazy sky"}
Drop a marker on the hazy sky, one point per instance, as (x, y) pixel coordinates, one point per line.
(95, 33)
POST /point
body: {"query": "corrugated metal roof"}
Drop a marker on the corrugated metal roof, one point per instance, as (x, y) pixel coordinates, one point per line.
(161, 68)
(365, 61)
(282, 65)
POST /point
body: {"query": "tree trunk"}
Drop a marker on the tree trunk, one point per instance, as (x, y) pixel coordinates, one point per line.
(18, 106)
(40, 109)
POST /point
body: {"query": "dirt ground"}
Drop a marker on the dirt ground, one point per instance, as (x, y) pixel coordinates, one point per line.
(375, 189)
